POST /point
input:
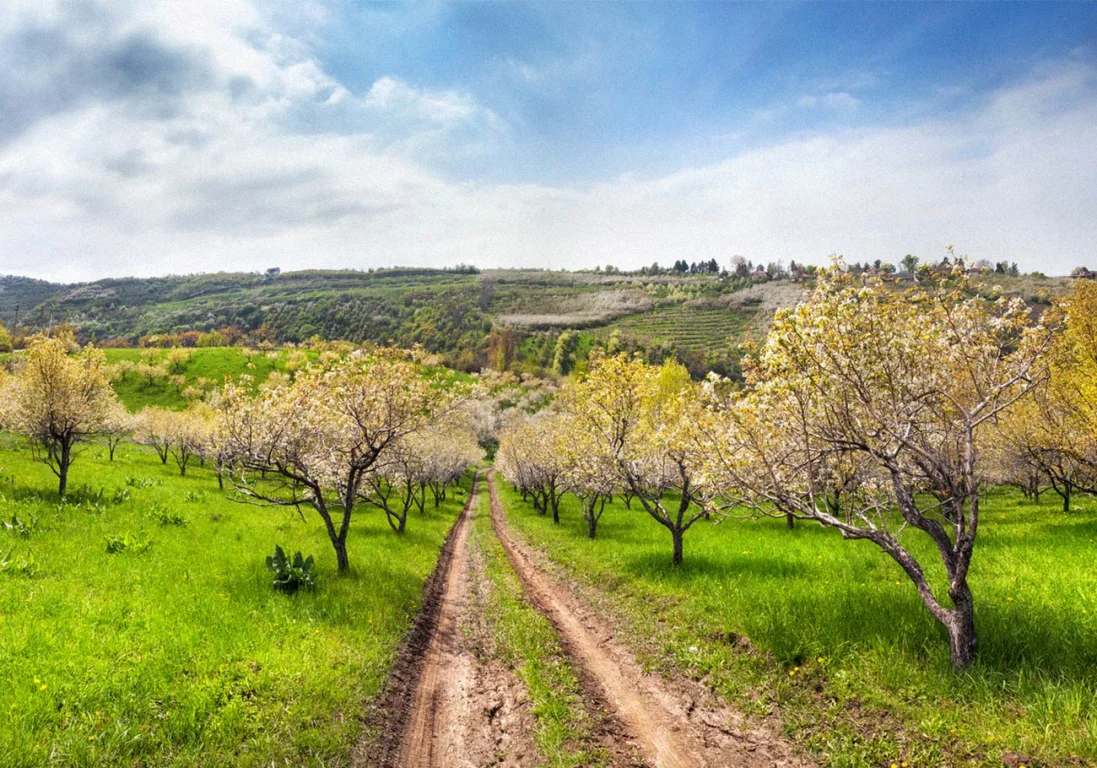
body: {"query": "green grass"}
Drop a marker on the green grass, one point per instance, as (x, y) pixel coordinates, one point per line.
(526, 642)
(754, 602)
(182, 654)
(213, 364)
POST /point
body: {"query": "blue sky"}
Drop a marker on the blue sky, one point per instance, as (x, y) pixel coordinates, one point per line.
(157, 136)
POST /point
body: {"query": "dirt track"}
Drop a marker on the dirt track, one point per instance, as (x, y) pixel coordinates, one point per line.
(448, 705)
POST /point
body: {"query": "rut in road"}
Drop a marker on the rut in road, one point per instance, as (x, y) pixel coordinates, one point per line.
(672, 729)
(447, 705)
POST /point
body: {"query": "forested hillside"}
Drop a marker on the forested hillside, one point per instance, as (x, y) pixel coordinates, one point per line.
(528, 321)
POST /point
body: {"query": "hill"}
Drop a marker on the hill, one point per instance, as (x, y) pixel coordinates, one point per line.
(524, 320)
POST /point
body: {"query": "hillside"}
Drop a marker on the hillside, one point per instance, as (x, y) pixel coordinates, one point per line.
(525, 320)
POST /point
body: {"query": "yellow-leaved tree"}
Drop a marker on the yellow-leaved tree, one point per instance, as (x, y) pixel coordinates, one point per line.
(642, 419)
(58, 399)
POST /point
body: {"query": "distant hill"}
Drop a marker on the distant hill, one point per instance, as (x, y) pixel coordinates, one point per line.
(528, 320)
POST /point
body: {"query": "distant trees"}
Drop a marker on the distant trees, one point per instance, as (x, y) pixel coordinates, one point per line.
(910, 263)
(59, 400)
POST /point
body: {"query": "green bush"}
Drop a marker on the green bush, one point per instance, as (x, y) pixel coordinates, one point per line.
(289, 576)
(19, 527)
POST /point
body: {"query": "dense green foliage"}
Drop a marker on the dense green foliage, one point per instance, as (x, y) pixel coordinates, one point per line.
(176, 649)
(830, 635)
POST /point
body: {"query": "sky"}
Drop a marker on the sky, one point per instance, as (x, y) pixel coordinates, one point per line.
(148, 137)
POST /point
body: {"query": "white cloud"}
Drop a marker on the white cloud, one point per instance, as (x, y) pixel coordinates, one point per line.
(229, 179)
(830, 100)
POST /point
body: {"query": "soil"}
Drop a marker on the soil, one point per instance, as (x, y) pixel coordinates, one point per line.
(449, 703)
(674, 724)
(446, 703)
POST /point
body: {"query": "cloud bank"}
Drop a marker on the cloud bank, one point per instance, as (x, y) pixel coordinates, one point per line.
(148, 138)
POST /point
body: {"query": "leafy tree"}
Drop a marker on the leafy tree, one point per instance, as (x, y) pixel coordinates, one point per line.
(316, 439)
(897, 389)
(643, 418)
(563, 358)
(530, 458)
(155, 426)
(58, 400)
(910, 263)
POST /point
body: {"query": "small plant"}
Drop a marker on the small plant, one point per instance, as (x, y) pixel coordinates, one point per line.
(21, 528)
(289, 576)
(24, 566)
(165, 516)
(143, 482)
(120, 496)
(194, 496)
(127, 542)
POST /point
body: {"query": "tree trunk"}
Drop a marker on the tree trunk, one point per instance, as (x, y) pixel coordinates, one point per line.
(592, 523)
(63, 468)
(341, 554)
(1066, 497)
(676, 535)
(790, 521)
(961, 629)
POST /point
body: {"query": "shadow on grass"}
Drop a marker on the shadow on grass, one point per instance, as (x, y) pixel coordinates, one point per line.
(654, 564)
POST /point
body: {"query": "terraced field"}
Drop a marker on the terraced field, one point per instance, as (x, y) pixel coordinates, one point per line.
(687, 328)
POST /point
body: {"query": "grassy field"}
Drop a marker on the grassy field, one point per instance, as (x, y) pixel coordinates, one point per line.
(181, 653)
(831, 636)
(213, 365)
(525, 641)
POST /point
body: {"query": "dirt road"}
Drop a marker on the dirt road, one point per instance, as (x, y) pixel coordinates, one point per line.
(448, 706)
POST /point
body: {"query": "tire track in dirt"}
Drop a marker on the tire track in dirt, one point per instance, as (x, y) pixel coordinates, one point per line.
(445, 705)
(681, 728)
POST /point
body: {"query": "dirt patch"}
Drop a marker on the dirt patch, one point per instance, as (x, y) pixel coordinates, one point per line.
(673, 724)
(446, 705)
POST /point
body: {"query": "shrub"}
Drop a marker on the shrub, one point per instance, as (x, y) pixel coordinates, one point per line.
(26, 566)
(289, 576)
(22, 528)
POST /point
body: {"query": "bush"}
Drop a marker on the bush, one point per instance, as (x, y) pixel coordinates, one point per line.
(25, 566)
(289, 576)
(22, 528)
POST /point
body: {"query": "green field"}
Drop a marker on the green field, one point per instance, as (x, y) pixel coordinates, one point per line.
(210, 364)
(182, 653)
(831, 637)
